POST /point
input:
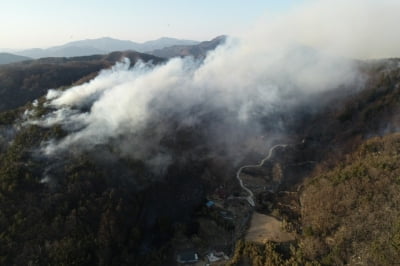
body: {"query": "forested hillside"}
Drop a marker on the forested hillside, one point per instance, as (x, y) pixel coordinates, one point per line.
(346, 211)
(98, 208)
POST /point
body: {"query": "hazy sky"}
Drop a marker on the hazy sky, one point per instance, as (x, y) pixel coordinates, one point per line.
(44, 23)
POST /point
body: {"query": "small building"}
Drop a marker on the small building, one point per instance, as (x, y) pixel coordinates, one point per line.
(210, 203)
(187, 257)
(215, 256)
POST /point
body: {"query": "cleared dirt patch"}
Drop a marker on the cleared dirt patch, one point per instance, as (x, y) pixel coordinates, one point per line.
(264, 227)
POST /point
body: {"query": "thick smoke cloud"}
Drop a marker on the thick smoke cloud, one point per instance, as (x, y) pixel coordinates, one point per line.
(362, 29)
(272, 67)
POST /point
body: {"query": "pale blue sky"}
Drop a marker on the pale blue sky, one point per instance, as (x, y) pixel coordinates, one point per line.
(44, 23)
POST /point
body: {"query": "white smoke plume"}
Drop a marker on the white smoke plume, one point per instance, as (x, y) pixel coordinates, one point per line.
(273, 66)
(362, 29)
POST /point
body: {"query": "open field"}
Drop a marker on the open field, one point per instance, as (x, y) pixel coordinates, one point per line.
(265, 227)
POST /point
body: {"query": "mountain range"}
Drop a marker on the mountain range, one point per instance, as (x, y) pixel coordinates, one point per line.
(101, 46)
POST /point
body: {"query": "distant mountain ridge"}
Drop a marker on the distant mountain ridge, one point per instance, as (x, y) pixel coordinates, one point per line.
(197, 50)
(6, 58)
(102, 46)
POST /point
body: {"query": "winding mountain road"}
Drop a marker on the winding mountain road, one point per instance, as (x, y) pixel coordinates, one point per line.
(250, 197)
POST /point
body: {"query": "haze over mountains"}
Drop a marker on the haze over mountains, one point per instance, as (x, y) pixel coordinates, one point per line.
(101, 46)
(6, 58)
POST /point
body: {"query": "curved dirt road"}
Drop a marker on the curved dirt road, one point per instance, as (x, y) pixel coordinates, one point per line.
(250, 197)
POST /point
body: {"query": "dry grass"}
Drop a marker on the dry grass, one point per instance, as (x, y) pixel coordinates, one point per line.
(267, 228)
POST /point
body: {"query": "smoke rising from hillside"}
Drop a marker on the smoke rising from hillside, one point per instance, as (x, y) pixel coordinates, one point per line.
(269, 68)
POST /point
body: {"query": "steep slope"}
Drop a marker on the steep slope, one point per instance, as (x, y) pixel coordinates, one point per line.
(97, 208)
(343, 203)
(370, 112)
(350, 214)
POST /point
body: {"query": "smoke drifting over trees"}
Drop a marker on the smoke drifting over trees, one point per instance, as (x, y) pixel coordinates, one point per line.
(272, 68)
